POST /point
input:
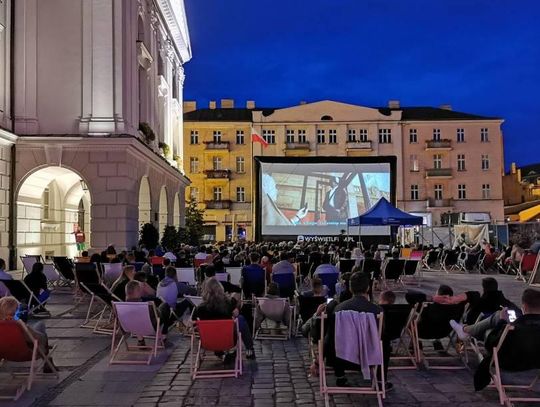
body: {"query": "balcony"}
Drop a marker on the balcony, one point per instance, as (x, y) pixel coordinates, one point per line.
(439, 173)
(359, 145)
(299, 145)
(444, 144)
(212, 145)
(223, 204)
(440, 203)
(218, 174)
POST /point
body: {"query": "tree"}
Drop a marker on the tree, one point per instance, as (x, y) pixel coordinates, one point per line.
(194, 223)
(149, 236)
(169, 241)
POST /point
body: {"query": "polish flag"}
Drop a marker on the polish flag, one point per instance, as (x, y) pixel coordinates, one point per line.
(256, 138)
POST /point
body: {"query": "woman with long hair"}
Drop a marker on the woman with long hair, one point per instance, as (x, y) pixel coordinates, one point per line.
(217, 305)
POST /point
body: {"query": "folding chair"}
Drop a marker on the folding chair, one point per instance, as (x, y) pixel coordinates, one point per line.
(100, 322)
(450, 261)
(18, 345)
(405, 252)
(416, 255)
(235, 273)
(135, 319)
(373, 388)
(28, 262)
(393, 270)
(23, 294)
(346, 265)
(397, 326)
(186, 275)
(86, 274)
(330, 280)
(432, 323)
(307, 306)
(111, 272)
(461, 261)
(64, 266)
(412, 270)
(526, 265)
(430, 259)
(272, 309)
(220, 335)
(222, 277)
(286, 283)
(513, 354)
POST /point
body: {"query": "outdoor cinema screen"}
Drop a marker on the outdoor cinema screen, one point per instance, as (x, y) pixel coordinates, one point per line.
(316, 195)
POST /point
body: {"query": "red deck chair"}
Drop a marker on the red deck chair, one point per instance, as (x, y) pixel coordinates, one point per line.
(215, 336)
(526, 265)
(15, 347)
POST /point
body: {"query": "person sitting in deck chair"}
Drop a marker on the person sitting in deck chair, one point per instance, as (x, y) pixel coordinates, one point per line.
(10, 310)
(272, 292)
(37, 283)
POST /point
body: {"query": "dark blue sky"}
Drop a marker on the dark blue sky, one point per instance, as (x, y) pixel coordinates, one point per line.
(480, 56)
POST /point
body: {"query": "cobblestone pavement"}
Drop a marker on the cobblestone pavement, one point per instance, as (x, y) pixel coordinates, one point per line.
(279, 376)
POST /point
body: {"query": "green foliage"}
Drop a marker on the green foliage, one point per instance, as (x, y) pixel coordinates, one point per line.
(149, 236)
(149, 134)
(170, 241)
(194, 223)
(165, 148)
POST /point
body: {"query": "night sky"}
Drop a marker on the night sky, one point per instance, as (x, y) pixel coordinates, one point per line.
(480, 56)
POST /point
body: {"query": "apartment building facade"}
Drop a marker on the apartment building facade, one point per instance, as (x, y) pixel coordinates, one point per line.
(447, 161)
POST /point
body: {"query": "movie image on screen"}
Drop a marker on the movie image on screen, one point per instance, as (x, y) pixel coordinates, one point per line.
(317, 199)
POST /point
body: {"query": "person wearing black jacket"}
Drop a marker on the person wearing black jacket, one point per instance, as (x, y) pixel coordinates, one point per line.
(37, 283)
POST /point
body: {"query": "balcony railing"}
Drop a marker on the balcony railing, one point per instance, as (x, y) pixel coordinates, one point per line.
(439, 173)
(359, 145)
(439, 144)
(440, 203)
(221, 145)
(297, 145)
(218, 173)
(223, 204)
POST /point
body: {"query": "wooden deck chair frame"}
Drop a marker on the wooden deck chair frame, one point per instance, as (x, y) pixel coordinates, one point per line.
(451, 267)
(64, 266)
(520, 270)
(99, 321)
(495, 371)
(416, 276)
(28, 262)
(397, 282)
(421, 355)
(80, 295)
(403, 345)
(33, 373)
(375, 388)
(198, 356)
(153, 333)
(284, 333)
(111, 272)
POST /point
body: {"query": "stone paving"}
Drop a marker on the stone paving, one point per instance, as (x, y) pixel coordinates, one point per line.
(278, 377)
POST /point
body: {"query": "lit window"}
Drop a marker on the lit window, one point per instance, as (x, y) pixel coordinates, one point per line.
(414, 163)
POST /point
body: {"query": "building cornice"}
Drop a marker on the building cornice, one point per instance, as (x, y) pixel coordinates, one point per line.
(174, 16)
(7, 138)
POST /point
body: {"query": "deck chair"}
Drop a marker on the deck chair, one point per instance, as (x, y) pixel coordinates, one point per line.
(393, 271)
(526, 265)
(430, 260)
(99, 320)
(416, 255)
(64, 266)
(214, 336)
(272, 309)
(235, 273)
(23, 294)
(405, 252)
(139, 320)
(253, 283)
(373, 267)
(222, 277)
(398, 327)
(450, 261)
(372, 389)
(186, 275)
(330, 280)
(111, 272)
(286, 283)
(346, 265)
(86, 274)
(431, 323)
(513, 354)
(461, 261)
(307, 306)
(15, 347)
(28, 262)
(412, 270)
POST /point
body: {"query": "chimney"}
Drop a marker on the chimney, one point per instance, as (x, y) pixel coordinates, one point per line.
(393, 104)
(212, 104)
(303, 102)
(445, 107)
(519, 175)
(227, 103)
(189, 106)
(250, 104)
(513, 168)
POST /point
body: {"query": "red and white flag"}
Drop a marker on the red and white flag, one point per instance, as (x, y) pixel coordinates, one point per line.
(257, 138)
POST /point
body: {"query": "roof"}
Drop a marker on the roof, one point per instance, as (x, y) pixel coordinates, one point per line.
(224, 115)
(384, 213)
(530, 172)
(428, 113)
(420, 113)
